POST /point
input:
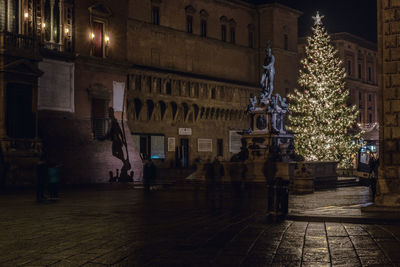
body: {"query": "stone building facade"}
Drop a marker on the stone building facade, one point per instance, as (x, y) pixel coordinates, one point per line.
(196, 65)
(182, 72)
(389, 102)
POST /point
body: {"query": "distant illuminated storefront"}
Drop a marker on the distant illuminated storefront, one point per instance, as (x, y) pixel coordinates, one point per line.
(370, 148)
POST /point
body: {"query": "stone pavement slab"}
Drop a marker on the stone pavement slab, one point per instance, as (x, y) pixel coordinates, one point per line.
(348, 204)
(171, 227)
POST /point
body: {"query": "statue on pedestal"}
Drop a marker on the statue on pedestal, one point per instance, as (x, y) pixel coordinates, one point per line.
(267, 78)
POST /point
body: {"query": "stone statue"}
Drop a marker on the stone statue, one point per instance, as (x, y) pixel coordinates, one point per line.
(284, 104)
(252, 106)
(118, 144)
(267, 79)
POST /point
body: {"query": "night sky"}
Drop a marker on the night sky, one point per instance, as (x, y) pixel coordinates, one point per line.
(354, 16)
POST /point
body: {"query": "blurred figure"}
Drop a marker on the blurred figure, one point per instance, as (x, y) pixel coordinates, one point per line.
(210, 180)
(149, 175)
(218, 170)
(373, 174)
(42, 177)
(53, 180)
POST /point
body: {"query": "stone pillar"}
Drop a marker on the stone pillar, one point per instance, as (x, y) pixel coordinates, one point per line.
(52, 21)
(61, 18)
(389, 103)
(2, 104)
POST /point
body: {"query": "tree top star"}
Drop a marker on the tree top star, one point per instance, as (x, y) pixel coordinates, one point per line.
(318, 19)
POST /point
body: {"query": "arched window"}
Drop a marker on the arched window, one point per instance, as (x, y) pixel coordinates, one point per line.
(232, 31)
(213, 93)
(251, 30)
(223, 20)
(203, 23)
(190, 11)
(285, 42)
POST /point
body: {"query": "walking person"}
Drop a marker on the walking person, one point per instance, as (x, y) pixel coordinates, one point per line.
(218, 170)
(146, 176)
(373, 175)
(53, 180)
(42, 175)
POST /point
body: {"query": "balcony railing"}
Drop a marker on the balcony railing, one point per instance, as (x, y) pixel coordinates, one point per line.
(9, 40)
(53, 46)
(21, 147)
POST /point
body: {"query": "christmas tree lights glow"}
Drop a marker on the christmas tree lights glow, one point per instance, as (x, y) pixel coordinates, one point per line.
(321, 118)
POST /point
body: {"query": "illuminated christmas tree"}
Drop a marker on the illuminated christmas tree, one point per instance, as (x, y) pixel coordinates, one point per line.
(321, 118)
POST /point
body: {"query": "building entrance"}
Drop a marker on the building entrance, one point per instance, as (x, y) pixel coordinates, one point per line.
(20, 119)
(184, 152)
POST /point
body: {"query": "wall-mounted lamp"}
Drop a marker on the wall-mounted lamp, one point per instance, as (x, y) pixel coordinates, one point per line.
(26, 15)
(66, 31)
(107, 39)
(44, 25)
(92, 35)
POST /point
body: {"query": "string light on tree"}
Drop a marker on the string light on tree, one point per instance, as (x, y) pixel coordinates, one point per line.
(321, 118)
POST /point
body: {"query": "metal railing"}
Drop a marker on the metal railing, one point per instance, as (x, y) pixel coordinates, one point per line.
(53, 46)
(16, 41)
(20, 145)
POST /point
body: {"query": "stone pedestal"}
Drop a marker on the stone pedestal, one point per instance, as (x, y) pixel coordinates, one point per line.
(255, 171)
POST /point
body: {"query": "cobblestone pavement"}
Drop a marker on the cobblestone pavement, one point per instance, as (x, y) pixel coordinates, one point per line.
(103, 227)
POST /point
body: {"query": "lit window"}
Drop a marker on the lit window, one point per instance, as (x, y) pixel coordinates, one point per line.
(97, 38)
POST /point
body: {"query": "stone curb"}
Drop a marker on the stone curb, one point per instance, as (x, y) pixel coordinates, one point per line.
(344, 219)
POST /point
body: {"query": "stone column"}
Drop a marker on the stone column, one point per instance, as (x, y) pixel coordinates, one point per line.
(61, 18)
(2, 104)
(52, 21)
(389, 103)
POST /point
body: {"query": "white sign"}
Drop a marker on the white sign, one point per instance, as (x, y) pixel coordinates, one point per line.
(204, 145)
(235, 142)
(185, 131)
(56, 86)
(118, 95)
(171, 144)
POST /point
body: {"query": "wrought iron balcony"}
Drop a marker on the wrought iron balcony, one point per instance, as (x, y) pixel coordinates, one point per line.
(13, 42)
(21, 147)
(53, 46)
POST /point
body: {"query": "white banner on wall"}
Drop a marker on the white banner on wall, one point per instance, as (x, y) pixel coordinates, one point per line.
(235, 142)
(204, 145)
(56, 86)
(185, 131)
(171, 144)
(118, 95)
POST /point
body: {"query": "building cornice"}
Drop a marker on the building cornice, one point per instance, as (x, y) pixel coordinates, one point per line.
(296, 12)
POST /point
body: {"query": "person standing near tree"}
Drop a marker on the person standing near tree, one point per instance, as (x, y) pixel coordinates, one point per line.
(373, 175)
